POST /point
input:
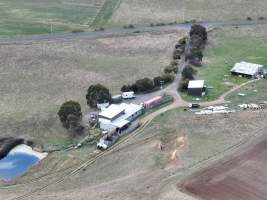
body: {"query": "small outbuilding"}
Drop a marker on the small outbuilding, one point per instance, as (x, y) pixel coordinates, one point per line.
(247, 69)
(196, 88)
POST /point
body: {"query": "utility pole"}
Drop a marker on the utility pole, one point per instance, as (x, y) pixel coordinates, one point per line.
(51, 28)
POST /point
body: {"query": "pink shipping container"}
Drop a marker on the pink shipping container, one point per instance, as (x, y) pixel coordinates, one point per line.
(151, 102)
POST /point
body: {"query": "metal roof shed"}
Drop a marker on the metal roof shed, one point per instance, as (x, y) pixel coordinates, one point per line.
(247, 69)
(196, 87)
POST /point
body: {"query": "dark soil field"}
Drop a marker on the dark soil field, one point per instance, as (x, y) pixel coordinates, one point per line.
(243, 177)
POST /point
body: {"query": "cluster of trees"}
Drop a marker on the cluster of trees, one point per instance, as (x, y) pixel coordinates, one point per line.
(147, 85)
(197, 41)
(176, 56)
(70, 113)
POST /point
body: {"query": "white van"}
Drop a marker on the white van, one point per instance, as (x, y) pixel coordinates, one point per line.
(128, 95)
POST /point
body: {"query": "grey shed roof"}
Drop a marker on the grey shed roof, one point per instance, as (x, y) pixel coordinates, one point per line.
(247, 68)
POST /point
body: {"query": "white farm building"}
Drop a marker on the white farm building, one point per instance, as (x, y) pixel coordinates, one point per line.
(196, 87)
(119, 116)
(247, 69)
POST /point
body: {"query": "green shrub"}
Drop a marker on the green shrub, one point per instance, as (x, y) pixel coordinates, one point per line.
(188, 72)
(164, 79)
(126, 88)
(168, 78)
(144, 85)
(182, 41)
(177, 54)
(183, 85)
(171, 69)
(77, 31)
(174, 63)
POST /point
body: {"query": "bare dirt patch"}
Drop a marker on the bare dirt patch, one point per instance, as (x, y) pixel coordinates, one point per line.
(241, 177)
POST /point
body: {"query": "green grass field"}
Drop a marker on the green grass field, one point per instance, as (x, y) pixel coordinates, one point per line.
(21, 17)
(226, 47)
(254, 93)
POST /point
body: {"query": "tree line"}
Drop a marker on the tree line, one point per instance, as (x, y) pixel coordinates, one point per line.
(198, 37)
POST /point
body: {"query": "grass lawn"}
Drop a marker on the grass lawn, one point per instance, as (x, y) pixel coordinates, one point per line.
(226, 47)
(255, 93)
(22, 17)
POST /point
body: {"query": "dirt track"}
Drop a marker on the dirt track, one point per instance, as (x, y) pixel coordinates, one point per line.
(242, 177)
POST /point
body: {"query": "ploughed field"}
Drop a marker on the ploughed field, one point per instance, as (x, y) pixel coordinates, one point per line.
(242, 177)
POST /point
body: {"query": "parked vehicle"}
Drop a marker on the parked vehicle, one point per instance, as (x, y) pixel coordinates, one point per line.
(152, 102)
(128, 95)
(117, 99)
(194, 105)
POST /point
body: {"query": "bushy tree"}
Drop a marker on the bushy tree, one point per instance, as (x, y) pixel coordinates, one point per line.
(182, 41)
(163, 79)
(195, 57)
(126, 88)
(67, 112)
(174, 63)
(168, 78)
(157, 81)
(97, 94)
(177, 53)
(196, 43)
(199, 30)
(144, 85)
(188, 72)
(171, 69)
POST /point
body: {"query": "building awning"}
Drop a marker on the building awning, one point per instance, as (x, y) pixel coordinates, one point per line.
(196, 84)
(120, 123)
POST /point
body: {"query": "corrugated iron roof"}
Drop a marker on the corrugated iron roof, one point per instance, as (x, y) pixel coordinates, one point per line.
(247, 68)
(196, 84)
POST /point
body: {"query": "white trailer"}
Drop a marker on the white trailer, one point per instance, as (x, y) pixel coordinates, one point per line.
(128, 95)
